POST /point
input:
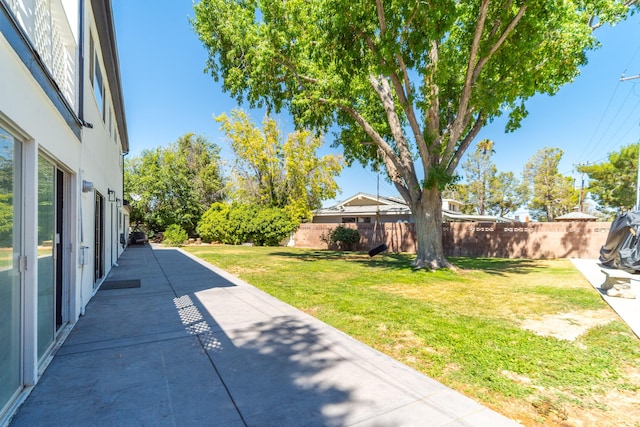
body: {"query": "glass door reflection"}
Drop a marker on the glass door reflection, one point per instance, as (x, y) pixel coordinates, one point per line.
(10, 276)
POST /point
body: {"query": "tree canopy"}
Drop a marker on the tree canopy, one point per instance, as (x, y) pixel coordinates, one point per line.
(487, 191)
(613, 183)
(506, 194)
(415, 81)
(272, 171)
(480, 171)
(175, 184)
(552, 194)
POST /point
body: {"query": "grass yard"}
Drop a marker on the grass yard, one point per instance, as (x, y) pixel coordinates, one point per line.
(529, 338)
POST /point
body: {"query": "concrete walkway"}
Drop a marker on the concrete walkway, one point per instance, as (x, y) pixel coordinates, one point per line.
(195, 346)
(627, 309)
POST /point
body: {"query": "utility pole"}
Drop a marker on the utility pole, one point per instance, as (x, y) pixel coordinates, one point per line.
(624, 79)
(637, 207)
(581, 203)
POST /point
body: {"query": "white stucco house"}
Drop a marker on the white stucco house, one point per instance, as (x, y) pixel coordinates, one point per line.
(365, 208)
(63, 135)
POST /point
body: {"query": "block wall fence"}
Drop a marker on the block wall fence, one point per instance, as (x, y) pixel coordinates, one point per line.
(498, 240)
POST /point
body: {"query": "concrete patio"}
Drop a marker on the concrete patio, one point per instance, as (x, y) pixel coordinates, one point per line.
(627, 309)
(195, 346)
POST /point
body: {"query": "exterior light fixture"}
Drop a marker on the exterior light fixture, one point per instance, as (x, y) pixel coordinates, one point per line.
(87, 186)
(112, 195)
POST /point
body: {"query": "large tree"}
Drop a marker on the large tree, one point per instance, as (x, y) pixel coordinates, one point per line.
(279, 172)
(552, 194)
(174, 184)
(506, 194)
(613, 183)
(480, 171)
(413, 80)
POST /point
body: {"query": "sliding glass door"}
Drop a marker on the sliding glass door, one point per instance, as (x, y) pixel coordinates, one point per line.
(10, 271)
(46, 255)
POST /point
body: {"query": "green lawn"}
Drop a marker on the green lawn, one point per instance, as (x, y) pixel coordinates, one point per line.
(464, 328)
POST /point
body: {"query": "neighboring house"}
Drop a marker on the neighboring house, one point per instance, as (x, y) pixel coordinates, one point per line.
(521, 215)
(63, 136)
(365, 208)
(576, 217)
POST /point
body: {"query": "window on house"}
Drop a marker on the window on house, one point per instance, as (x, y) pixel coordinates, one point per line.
(346, 220)
(92, 56)
(96, 76)
(98, 88)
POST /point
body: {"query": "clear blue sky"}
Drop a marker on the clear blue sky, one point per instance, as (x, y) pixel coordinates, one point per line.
(167, 94)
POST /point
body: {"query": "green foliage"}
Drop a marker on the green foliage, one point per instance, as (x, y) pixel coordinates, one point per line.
(174, 184)
(417, 79)
(460, 193)
(213, 224)
(175, 235)
(507, 194)
(487, 191)
(346, 238)
(240, 223)
(480, 172)
(613, 183)
(6, 220)
(271, 226)
(272, 173)
(552, 193)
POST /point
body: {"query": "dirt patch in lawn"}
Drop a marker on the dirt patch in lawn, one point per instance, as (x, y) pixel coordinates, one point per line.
(569, 326)
(616, 407)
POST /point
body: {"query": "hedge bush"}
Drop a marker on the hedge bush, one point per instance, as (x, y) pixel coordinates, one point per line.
(345, 238)
(238, 223)
(174, 235)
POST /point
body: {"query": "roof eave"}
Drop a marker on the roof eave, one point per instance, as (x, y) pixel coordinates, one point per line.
(103, 15)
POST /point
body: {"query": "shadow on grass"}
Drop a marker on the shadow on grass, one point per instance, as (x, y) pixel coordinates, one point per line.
(403, 262)
(495, 265)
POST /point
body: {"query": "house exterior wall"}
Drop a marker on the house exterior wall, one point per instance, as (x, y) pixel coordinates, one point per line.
(47, 105)
(367, 219)
(499, 240)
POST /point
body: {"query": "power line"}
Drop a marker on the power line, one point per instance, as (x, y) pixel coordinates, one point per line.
(613, 137)
(596, 149)
(601, 119)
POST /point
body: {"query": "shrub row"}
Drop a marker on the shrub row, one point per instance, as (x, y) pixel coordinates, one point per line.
(237, 223)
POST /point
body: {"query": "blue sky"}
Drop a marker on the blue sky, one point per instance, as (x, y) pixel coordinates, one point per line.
(167, 94)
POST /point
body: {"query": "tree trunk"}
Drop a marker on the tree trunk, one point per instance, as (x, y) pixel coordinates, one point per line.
(427, 213)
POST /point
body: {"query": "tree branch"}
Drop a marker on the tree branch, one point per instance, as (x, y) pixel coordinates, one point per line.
(381, 19)
(500, 42)
(402, 87)
(382, 88)
(458, 125)
(595, 26)
(283, 60)
(433, 112)
(391, 159)
(407, 106)
(474, 68)
(464, 145)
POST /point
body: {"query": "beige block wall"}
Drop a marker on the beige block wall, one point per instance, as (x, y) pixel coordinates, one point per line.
(509, 240)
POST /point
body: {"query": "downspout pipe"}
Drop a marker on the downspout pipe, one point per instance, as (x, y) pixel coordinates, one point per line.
(81, 116)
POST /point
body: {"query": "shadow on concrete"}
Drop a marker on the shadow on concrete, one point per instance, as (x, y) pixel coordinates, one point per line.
(278, 372)
(188, 347)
